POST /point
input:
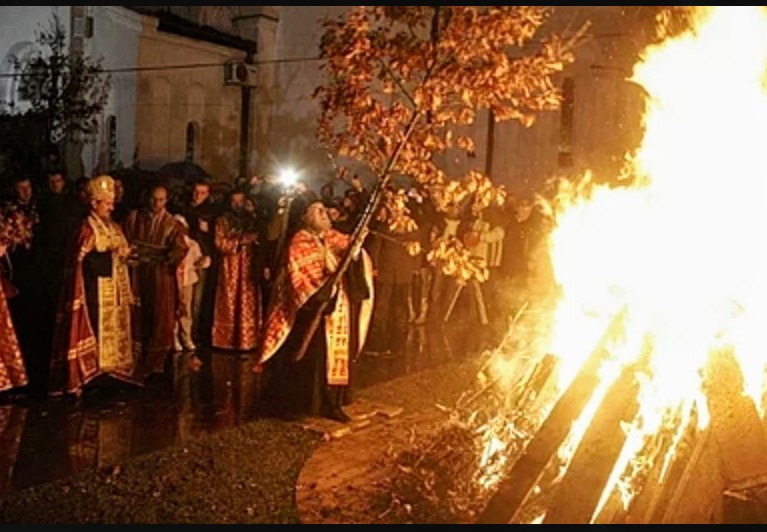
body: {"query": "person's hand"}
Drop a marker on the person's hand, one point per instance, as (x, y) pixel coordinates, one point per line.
(204, 226)
(357, 250)
(204, 263)
(124, 252)
(249, 239)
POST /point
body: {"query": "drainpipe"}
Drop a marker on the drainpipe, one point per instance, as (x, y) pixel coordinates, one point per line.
(245, 119)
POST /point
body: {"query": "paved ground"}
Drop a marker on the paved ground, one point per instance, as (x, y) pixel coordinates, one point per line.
(45, 441)
(262, 472)
(347, 479)
(195, 453)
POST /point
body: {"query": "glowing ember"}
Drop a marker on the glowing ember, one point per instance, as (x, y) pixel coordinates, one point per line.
(683, 250)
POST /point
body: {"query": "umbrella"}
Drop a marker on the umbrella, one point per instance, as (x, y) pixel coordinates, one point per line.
(183, 171)
(135, 181)
(179, 177)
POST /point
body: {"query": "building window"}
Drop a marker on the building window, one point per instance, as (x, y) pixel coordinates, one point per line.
(567, 123)
(89, 27)
(33, 77)
(11, 75)
(192, 140)
(112, 141)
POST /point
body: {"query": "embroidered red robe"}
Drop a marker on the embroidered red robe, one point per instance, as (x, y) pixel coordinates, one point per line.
(12, 371)
(237, 316)
(161, 244)
(311, 261)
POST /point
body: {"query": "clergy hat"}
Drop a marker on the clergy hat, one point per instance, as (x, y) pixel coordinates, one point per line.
(101, 188)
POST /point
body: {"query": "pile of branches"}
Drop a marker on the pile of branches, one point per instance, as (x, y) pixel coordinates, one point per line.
(447, 476)
(434, 480)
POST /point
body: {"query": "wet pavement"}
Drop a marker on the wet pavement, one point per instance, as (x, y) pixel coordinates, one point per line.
(44, 440)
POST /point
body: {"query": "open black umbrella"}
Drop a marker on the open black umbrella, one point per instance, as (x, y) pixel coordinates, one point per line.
(135, 182)
(180, 177)
(184, 171)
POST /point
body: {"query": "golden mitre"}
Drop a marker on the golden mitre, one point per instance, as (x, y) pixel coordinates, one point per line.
(101, 188)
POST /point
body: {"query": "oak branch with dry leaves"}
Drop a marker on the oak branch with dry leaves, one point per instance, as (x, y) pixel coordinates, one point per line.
(403, 84)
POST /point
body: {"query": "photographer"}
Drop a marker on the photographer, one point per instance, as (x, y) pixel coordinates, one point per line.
(287, 189)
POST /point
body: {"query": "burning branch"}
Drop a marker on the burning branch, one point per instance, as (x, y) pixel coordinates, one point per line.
(524, 476)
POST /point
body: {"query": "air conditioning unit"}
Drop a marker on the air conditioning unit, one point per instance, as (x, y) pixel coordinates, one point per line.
(240, 73)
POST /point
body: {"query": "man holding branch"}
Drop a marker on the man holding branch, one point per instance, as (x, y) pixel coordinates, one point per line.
(310, 371)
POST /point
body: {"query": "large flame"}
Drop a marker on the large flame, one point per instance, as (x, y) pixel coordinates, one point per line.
(682, 252)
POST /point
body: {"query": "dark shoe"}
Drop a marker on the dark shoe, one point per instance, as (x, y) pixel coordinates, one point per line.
(337, 414)
(291, 416)
(155, 381)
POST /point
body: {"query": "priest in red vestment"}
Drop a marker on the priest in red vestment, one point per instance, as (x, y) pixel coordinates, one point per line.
(316, 383)
(93, 323)
(13, 374)
(237, 317)
(160, 247)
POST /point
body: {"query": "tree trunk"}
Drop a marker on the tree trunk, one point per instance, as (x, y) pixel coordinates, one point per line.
(73, 158)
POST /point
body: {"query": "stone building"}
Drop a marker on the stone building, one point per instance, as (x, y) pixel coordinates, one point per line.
(204, 85)
(598, 124)
(600, 121)
(230, 88)
(181, 85)
(108, 33)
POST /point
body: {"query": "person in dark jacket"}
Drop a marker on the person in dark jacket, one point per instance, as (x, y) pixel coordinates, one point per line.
(201, 215)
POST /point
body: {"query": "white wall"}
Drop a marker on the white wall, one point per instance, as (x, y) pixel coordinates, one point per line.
(116, 33)
(296, 114)
(605, 116)
(19, 27)
(115, 39)
(607, 111)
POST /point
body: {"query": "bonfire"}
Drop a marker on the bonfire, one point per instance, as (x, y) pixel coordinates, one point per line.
(650, 366)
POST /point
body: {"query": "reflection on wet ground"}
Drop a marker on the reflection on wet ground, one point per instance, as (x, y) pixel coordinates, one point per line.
(47, 440)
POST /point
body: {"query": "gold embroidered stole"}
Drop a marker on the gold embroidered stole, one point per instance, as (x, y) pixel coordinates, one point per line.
(114, 300)
(337, 329)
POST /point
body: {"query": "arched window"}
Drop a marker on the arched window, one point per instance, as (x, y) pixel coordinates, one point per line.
(112, 142)
(567, 124)
(11, 68)
(192, 141)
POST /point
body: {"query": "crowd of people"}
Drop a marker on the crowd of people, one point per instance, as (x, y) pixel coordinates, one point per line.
(109, 288)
